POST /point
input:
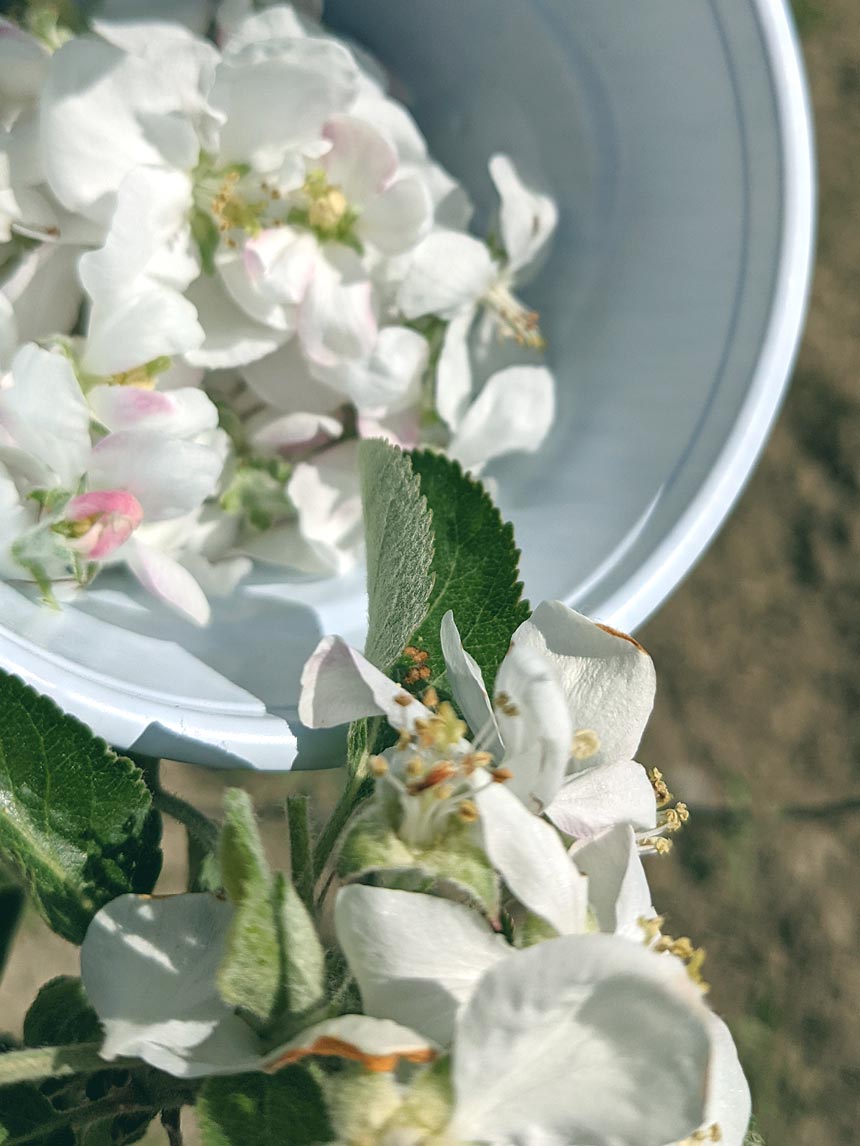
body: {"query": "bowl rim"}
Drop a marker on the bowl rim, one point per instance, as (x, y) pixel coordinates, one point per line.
(673, 557)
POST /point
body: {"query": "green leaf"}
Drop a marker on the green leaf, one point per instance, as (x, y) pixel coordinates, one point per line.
(76, 820)
(60, 1014)
(475, 569)
(373, 847)
(11, 910)
(26, 1115)
(263, 1110)
(274, 963)
(207, 237)
(399, 550)
(753, 1137)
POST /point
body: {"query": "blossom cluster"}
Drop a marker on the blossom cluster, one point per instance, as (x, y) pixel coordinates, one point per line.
(223, 262)
(515, 984)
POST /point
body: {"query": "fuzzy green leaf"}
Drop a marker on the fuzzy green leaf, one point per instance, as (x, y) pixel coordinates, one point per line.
(475, 570)
(373, 847)
(399, 550)
(273, 966)
(753, 1137)
(76, 820)
(60, 1015)
(263, 1110)
(26, 1115)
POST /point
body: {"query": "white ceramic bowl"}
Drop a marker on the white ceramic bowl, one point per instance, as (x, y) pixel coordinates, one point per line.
(676, 137)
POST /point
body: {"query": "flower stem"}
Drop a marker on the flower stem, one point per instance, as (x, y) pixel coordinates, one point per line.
(301, 856)
(204, 831)
(56, 1062)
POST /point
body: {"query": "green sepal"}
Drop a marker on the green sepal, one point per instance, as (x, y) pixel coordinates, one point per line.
(456, 862)
(263, 1110)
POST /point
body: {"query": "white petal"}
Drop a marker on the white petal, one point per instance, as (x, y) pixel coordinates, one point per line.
(177, 413)
(44, 292)
(168, 476)
(45, 413)
(284, 380)
(514, 411)
(416, 958)
(286, 433)
(467, 685)
(276, 95)
(618, 889)
(528, 219)
(239, 29)
(361, 161)
(448, 271)
(149, 969)
(589, 802)
(607, 677)
(390, 379)
(536, 730)
(232, 338)
(728, 1102)
(168, 581)
(339, 685)
(151, 208)
(326, 496)
(378, 1044)
(8, 333)
(104, 113)
(454, 371)
(129, 330)
(24, 64)
(396, 219)
(278, 264)
(337, 318)
(586, 1039)
(531, 859)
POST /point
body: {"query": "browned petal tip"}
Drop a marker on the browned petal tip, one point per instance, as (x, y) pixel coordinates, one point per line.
(624, 636)
(330, 1047)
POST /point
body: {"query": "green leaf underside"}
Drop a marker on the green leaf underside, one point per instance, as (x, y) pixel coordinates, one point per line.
(60, 1015)
(372, 847)
(399, 550)
(25, 1111)
(263, 1110)
(76, 820)
(273, 965)
(475, 570)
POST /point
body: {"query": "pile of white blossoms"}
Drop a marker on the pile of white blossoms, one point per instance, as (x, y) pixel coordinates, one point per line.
(223, 262)
(531, 999)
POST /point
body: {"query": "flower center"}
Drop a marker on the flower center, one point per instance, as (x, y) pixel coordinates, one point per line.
(515, 319)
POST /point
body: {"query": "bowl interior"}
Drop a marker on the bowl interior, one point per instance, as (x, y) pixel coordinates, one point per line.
(658, 129)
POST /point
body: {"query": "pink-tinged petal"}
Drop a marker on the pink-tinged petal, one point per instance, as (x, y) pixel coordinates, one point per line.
(280, 263)
(181, 413)
(608, 679)
(513, 412)
(589, 802)
(448, 271)
(232, 337)
(361, 162)
(402, 429)
(278, 94)
(115, 514)
(528, 219)
(399, 217)
(340, 685)
(337, 319)
(169, 476)
(169, 581)
(290, 433)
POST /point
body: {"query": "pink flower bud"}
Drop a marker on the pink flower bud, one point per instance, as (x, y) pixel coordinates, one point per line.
(102, 521)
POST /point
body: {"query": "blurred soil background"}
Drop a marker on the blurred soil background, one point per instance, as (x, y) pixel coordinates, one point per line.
(757, 723)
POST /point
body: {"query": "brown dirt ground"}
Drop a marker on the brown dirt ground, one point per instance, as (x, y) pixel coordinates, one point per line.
(758, 707)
